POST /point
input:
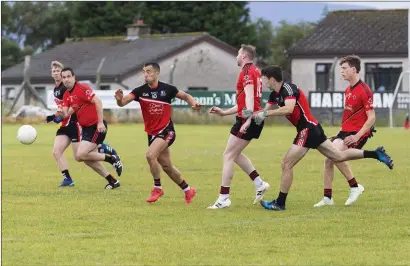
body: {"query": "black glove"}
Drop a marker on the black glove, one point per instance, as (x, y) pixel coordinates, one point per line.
(50, 118)
(371, 131)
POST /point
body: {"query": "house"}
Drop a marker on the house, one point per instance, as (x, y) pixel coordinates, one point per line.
(379, 37)
(189, 61)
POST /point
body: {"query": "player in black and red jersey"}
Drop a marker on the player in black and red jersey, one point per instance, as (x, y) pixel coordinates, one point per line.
(293, 104)
(80, 99)
(69, 131)
(155, 99)
(248, 97)
(357, 127)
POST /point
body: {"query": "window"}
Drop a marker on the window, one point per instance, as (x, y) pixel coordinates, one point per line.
(383, 77)
(105, 87)
(322, 77)
(10, 93)
(42, 92)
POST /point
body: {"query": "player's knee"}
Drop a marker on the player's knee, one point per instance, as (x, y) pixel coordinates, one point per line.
(80, 156)
(57, 153)
(286, 165)
(151, 158)
(337, 157)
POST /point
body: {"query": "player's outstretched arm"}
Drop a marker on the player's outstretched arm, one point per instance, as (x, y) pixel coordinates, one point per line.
(121, 100)
(219, 111)
(189, 99)
(281, 111)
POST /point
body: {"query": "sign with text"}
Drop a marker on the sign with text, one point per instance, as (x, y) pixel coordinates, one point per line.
(337, 99)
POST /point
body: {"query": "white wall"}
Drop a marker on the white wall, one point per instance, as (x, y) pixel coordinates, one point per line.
(203, 65)
(304, 72)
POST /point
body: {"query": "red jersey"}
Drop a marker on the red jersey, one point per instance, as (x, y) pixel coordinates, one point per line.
(79, 98)
(301, 117)
(249, 75)
(155, 105)
(358, 100)
(59, 91)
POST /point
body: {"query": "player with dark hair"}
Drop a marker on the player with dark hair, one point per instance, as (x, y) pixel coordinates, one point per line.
(293, 104)
(248, 97)
(357, 127)
(69, 131)
(81, 100)
(155, 99)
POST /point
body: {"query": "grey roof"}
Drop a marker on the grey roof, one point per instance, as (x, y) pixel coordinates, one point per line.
(123, 57)
(381, 33)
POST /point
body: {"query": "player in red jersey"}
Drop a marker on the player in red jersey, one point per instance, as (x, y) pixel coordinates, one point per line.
(248, 97)
(81, 100)
(69, 130)
(155, 99)
(293, 104)
(357, 126)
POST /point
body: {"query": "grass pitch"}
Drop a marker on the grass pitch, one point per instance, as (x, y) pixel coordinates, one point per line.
(87, 225)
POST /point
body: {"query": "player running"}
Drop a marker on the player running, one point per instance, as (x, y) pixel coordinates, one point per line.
(293, 104)
(69, 131)
(81, 100)
(155, 99)
(248, 96)
(357, 126)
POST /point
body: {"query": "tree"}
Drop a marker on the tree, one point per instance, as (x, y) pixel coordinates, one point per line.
(286, 35)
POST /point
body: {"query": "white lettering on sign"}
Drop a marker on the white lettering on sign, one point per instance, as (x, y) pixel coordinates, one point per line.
(337, 99)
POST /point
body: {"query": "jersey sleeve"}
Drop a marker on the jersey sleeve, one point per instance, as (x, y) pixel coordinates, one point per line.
(65, 102)
(272, 98)
(173, 91)
(367, 100)
(136, 93)
(86, 93)
(290, 91)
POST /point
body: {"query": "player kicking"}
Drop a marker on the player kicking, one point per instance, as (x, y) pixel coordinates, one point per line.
(81, 100)
(155, 99)
(69, 131)
(248, 95)
(293, 104)
(357, 126)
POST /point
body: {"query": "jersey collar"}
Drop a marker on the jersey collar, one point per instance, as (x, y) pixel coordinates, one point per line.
(352, 87)
(247, 64)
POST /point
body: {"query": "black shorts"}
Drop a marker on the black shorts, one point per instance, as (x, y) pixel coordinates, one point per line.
(253, 132)
(91, 134)
(310, 137)
(167, 134)
(358, 145)
(72, 131)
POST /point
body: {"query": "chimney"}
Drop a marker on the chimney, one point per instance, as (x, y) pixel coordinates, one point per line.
(137, 29)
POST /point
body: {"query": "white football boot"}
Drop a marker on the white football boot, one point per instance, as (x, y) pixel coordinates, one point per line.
(260, 191)
(355, 192)
(324, 202)
(220, 204)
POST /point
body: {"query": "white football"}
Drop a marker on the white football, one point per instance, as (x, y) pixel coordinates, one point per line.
(26, 134)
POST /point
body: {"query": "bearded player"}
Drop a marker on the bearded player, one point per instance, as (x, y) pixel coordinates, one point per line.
(155, 99)
(248, 96)
(69, 131)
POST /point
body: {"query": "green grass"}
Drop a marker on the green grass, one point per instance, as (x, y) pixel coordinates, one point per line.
(86, 225)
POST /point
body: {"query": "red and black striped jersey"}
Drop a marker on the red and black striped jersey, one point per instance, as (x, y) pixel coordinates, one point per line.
(301, 117)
